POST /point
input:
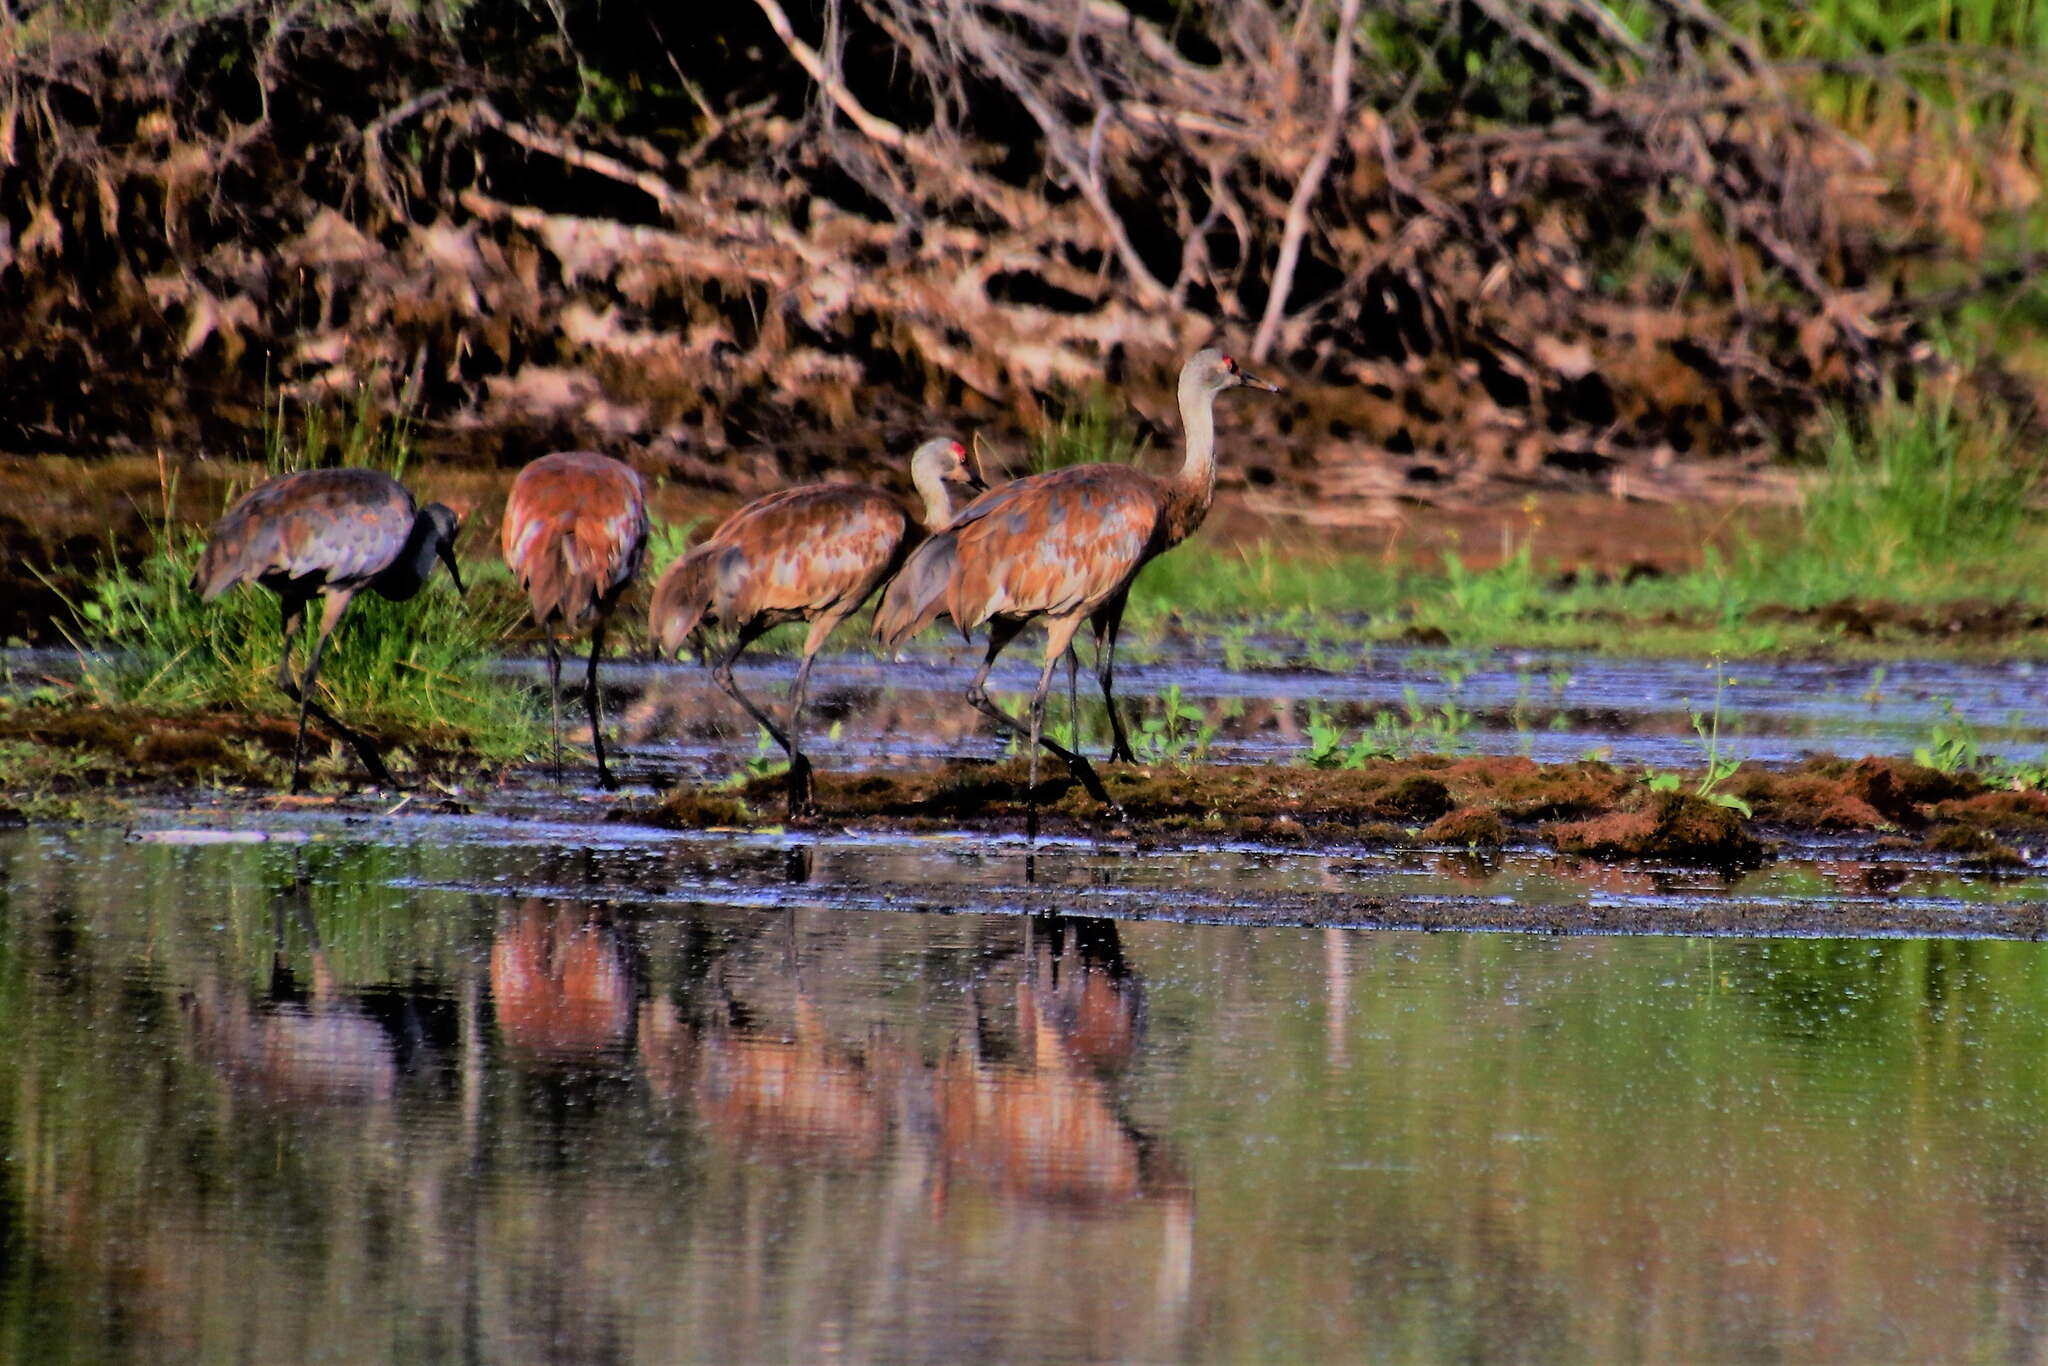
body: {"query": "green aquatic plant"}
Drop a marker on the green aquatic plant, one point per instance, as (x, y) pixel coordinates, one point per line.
(1908, 484)
(1093, 430)
(1416, 729)
(1952, 744)
(1720, 765)
(1174, 731)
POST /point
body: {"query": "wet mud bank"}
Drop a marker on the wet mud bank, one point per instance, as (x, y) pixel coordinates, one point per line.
(94, 763)
(1589, 809)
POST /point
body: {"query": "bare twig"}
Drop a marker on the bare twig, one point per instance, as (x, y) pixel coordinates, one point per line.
(1311, 181)
(880, 130)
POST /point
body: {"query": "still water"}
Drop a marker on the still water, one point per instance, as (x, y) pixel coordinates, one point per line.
(361, 1098)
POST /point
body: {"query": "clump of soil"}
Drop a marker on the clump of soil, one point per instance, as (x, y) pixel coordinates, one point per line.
(1469, 826)
(1674, 826)
(2012, 812)
(1975, 846)
(684, 809)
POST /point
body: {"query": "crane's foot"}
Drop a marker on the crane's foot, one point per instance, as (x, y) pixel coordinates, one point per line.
(1120, 753)
(799, 789)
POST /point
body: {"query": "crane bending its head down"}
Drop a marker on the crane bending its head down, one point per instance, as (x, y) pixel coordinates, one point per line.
(327, 534)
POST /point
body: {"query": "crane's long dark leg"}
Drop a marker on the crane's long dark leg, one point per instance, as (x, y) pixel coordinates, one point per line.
(1074, 697)
(721, 673)
(594, 704)
(1108, 621)
(799, 763)
(372, 759)
(1000, 633)
(1055, 646)
(555, 698)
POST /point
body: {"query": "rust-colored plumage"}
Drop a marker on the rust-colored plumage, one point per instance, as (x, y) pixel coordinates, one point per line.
(1064, 547)
(327, 534)
(574, 534)
(814, 554)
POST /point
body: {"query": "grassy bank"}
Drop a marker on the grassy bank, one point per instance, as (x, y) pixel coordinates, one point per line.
(1918, 532)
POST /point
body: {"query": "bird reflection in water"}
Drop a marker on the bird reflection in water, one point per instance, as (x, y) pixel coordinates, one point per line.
(1041, 1125)
(561, 985)
(1024, 1107)
(311, 1044)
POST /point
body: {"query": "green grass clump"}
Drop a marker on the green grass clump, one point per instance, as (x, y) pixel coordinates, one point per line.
(1914, 487)
(1091, 431)
(147, 640)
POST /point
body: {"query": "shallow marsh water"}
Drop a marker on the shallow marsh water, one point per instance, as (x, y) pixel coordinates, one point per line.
(486, 1090)
(1551, 707)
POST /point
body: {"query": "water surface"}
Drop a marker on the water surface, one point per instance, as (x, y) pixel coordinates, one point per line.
(633, 1098)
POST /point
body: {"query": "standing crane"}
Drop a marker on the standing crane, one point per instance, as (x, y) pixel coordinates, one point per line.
(575, 532)
(1063, 546)
(814, 554)
(327, 534)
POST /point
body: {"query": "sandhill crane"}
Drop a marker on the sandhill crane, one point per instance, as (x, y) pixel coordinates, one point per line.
(574, 534)
(327, 534)
(813, 553)
(1063, 546)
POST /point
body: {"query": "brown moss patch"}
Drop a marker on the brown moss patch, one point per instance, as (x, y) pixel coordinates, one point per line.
(1975, 621)
(1677, 826)
(1809, 802)
(2009, 811)
(1468, 825)
(1524, 790)
(1433, 799)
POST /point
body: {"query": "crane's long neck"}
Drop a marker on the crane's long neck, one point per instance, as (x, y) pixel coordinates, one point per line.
(1194, 487)
(405, 574)
(937, 495)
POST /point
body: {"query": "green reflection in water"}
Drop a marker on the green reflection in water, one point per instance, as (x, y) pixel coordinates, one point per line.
(289, 1103)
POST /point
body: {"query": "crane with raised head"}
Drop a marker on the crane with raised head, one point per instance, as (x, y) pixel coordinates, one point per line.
(813, 553)
(1063, 547)
(574, 534)
(327, 534)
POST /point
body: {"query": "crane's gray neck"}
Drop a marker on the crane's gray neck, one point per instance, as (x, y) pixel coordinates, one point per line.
(1194, 488)
(936, 494)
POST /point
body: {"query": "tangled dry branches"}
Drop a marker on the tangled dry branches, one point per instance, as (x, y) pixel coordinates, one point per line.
(1509, 239)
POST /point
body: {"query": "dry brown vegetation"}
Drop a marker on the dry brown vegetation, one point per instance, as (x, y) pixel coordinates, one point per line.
(1503, 244)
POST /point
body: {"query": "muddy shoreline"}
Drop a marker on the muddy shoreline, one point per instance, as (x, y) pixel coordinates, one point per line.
(1458, 838)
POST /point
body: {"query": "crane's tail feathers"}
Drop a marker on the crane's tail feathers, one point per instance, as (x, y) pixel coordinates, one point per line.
(558, 588)
(916, 597)
(682, 599)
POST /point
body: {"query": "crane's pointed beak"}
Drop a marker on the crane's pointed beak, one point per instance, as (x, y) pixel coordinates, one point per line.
(448, 558)
(1252, 381)
(974, 480)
